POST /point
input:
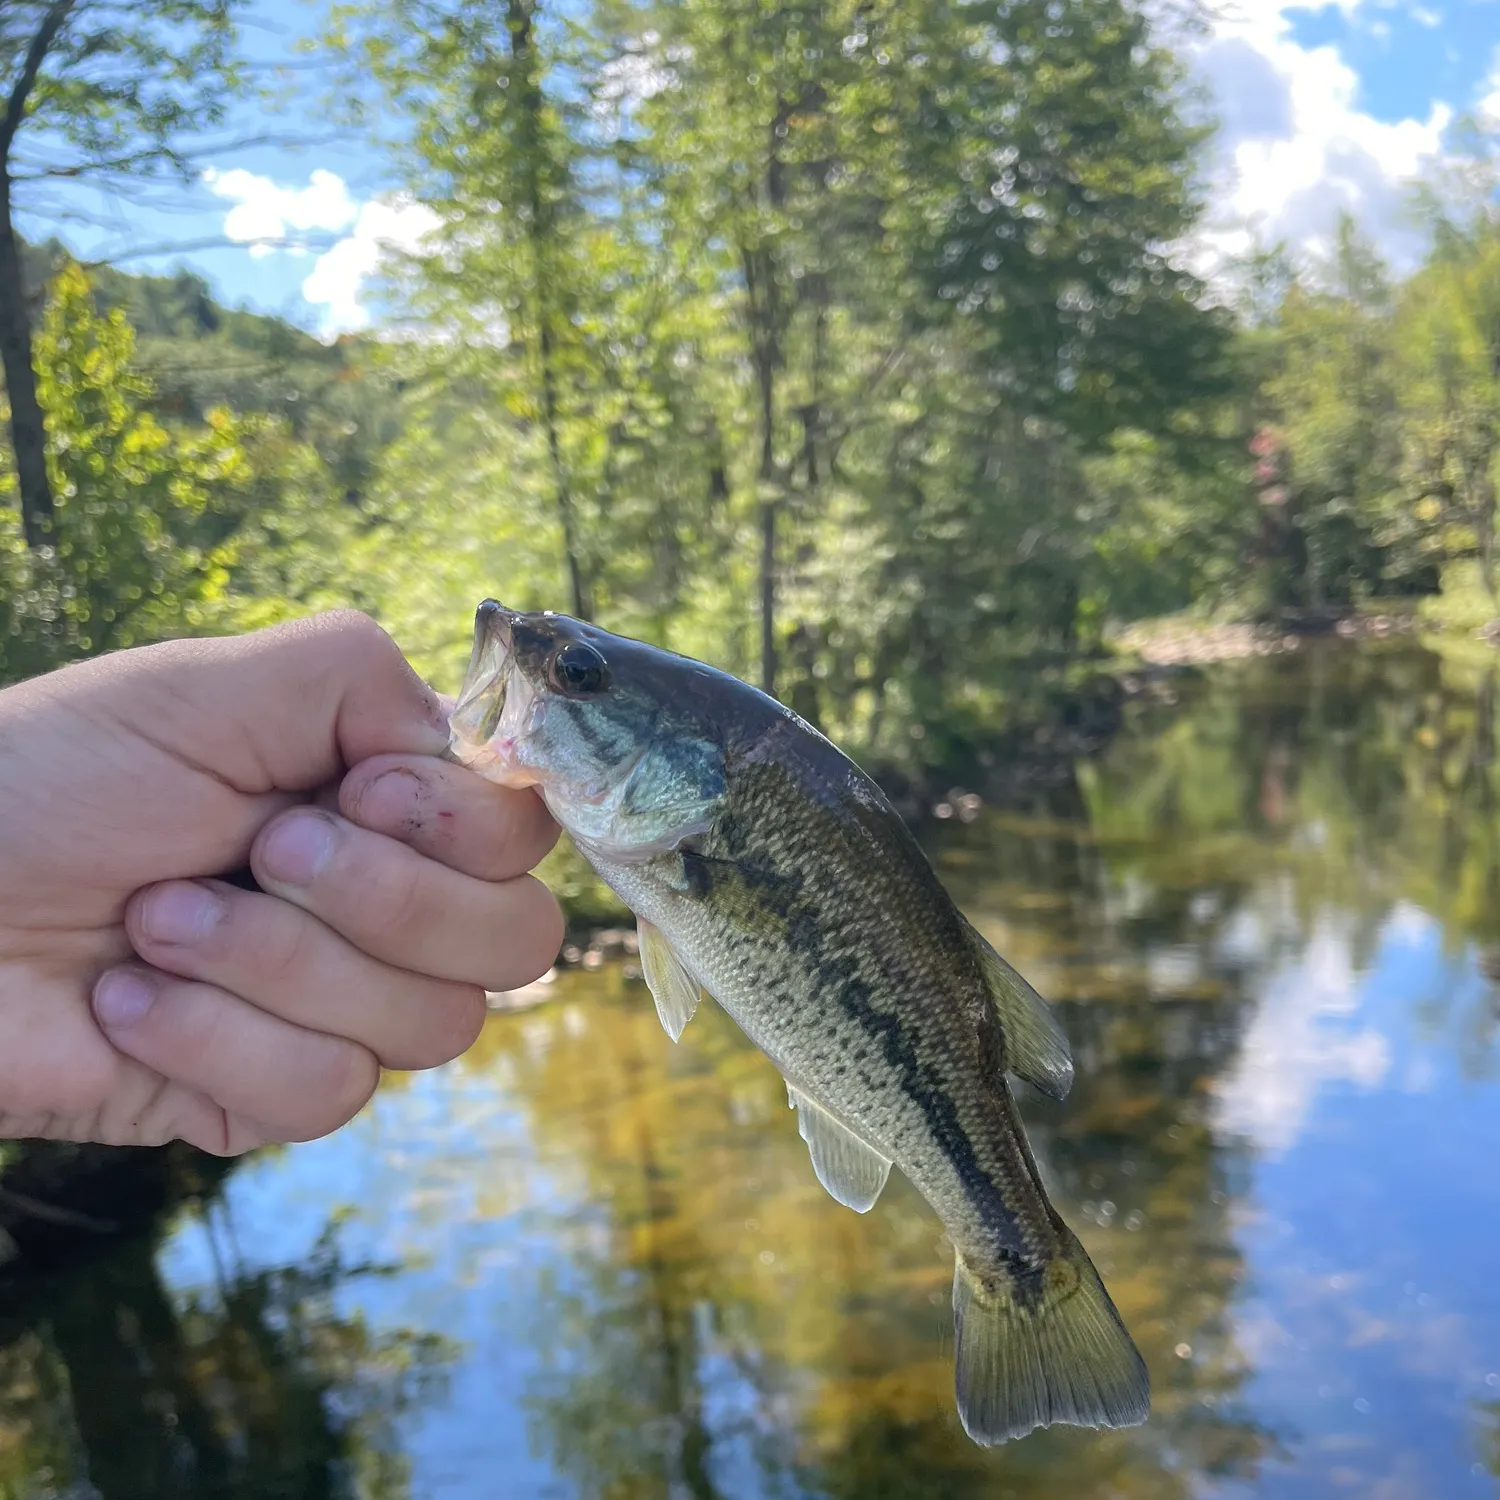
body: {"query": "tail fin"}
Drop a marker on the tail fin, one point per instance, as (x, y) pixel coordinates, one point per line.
(1063, 1356)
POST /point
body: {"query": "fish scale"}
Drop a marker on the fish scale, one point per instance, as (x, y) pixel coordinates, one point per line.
(779, 996)
(770, 873)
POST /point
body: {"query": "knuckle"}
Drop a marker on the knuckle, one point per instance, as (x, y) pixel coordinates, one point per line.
(90, 1079)
(343, 643)
(456, 1025)
(536, 933)
(239, 1135)
(358, 634)
(346, 1079)
(276, 950)
(402, 905)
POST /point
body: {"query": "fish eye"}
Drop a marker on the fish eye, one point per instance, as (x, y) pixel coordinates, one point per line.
(578, 670)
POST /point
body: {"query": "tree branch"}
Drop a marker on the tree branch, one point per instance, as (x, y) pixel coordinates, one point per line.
(183, 158)
(310, 242)
(36, 54)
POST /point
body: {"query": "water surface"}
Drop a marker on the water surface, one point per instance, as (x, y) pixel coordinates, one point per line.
(583, 1262)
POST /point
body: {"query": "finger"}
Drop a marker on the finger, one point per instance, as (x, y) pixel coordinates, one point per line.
(287, 962)
(285, 708)
(406, 910)
(295, 1083)
(449, 814)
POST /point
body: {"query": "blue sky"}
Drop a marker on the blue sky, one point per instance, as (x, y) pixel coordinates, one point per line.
(1321, 109)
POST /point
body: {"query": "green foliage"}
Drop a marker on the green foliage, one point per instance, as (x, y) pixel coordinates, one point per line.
(836, 345)
(121, 85)
(135, 525)
(803, 325)
(160, 530)
(1332, 387)
(1377, 457)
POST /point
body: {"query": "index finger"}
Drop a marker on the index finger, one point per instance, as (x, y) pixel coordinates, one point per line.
(408, 911)
(449, 814)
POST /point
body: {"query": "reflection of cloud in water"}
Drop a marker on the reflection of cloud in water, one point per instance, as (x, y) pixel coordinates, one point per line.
(1301, 1038)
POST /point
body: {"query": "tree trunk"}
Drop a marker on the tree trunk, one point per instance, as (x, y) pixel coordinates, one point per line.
(1486, 527)
(768, 506)
(768, 596)
(765, 352)
(527, 90)
(28, 432)
(581, 604)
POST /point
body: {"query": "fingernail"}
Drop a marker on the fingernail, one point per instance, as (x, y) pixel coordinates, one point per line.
(181, 913)
(298, 848)
(390, 802)
(122, 997)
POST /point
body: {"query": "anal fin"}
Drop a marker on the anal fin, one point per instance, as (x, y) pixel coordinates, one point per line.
(675, 991)
(853, 1172)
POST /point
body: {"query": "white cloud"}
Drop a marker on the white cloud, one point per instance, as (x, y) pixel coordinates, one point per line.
(1296, 149)
(265, 210)
(1303, 1036)
(338, 279)
(1489, 101)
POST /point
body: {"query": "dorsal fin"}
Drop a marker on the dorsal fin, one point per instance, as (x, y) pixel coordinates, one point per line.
(1036, 1046)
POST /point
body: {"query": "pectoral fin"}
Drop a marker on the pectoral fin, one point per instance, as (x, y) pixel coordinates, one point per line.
(676, 993)
(1036, 1047)
(853, 1172)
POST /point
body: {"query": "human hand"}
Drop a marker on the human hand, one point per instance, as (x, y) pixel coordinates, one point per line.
(142, 1000)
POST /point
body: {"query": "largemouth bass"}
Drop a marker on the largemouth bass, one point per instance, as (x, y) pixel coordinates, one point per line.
(768, 872)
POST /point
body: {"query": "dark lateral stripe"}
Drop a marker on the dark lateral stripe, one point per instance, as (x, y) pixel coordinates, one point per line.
(765, 861)
(856, 997)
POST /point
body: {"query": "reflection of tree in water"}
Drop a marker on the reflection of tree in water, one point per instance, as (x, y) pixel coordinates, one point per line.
(260, 1387)
(722, 1328)
(716, 1326)
(1489, 1436)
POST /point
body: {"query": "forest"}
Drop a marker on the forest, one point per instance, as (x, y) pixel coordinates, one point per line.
(841, 345)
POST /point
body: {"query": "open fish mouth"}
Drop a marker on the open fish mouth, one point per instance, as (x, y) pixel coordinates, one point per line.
(496, 705)
(481, 698)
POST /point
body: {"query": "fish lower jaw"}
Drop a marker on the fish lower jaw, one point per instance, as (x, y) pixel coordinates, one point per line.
(495, 761)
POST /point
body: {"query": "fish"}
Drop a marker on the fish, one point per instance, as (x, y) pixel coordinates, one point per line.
(768, 872)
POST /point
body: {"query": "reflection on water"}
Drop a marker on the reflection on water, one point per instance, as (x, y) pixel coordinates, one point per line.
(584, 1262)
(120, 1381)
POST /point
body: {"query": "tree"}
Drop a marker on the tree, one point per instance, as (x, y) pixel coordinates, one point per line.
(583, 353)
(156, 529)
(101, 90)
(1448, 334)
(943, 222)
(1337, 524)
(809, 317)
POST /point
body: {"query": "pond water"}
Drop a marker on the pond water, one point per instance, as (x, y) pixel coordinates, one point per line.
(583, 1262)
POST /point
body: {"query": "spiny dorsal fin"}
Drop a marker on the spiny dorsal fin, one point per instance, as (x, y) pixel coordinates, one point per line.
(676, 993)
(853, 1172)
(1036, 1047)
